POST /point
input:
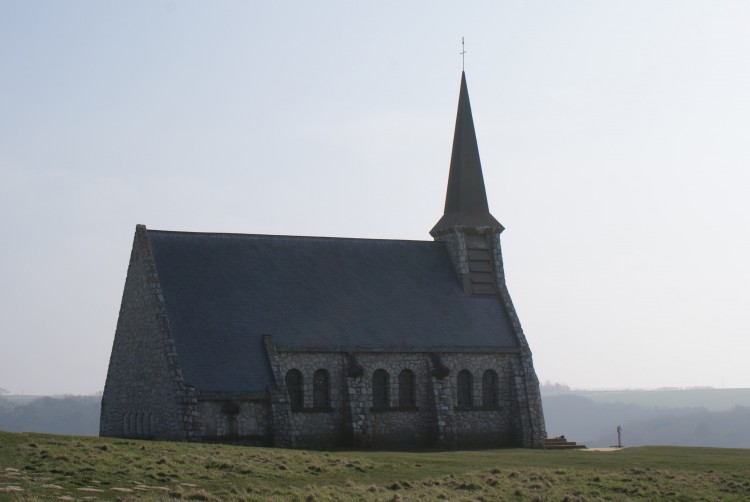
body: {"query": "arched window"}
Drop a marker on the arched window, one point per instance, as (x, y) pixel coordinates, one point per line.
(321, 390)
(489, 389)
(380, 389)
(406, 390)
(294, 388)
(464, 386)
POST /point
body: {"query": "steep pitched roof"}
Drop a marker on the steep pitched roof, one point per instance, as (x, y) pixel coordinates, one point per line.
(466, 198)
(223, 292)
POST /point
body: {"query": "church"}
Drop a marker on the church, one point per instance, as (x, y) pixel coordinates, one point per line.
(317, 342)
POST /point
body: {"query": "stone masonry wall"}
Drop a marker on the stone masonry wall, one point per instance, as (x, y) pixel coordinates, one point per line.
(529, 397)
(144, 394)
(317, 427)
(434, 421)
(455, 243)
(251, 419)
(470, 425)
(396, 426)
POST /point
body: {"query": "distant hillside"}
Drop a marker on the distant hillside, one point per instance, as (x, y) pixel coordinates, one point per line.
(690, 417)
(710, 399)
(77, 415)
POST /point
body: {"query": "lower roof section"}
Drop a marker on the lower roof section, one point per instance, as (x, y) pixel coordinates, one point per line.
(223, 292)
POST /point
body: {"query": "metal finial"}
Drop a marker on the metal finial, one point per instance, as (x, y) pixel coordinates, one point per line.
(463, 55)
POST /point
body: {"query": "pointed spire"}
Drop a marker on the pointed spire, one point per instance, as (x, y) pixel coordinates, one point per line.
(466, 200)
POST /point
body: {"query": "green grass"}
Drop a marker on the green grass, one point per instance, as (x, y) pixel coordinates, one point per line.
(47, 467)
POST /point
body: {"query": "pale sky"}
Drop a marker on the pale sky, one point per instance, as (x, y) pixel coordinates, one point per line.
(614, 136)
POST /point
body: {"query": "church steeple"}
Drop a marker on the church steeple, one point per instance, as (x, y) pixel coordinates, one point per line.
(470, 232)
(466, 199)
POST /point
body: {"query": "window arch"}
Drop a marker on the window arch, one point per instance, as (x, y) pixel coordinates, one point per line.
(380, 382)
(294, 388)
(321, 389)
(489, 389)
(465, 387)
(406, 389)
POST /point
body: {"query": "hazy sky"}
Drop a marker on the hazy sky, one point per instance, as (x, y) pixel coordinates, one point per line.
(614, 136)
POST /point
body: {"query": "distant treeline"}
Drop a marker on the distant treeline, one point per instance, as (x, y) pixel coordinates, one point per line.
(75, 415)
(595, 424)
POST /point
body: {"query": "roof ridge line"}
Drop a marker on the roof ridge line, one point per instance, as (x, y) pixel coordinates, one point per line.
(311, 237)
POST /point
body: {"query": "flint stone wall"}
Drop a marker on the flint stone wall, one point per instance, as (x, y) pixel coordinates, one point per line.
(251, 419)
(317, 427)
(144, 394)
(434, 421)
(480, 426)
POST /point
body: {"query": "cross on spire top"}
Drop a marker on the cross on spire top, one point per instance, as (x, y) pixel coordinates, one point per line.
(463, 55)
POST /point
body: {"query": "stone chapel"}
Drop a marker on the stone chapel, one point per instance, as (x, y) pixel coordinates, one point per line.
(328, 342)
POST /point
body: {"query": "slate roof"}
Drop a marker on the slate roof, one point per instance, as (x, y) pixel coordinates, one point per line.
(223, 292)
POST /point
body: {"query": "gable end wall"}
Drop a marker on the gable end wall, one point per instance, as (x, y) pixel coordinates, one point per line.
(144, 394)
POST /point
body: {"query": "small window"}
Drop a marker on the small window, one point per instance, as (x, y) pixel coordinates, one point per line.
(406, 390)
(321, 390)
(380, 398)
(465, 384)
(489, 389)
(294, 388)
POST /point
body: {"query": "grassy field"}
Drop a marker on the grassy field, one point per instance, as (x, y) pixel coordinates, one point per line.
(47, 467)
